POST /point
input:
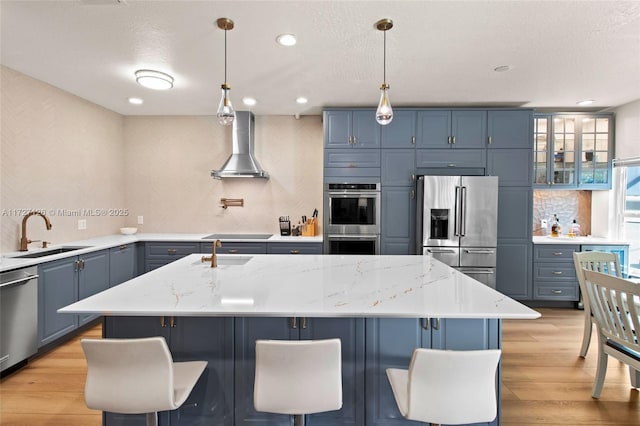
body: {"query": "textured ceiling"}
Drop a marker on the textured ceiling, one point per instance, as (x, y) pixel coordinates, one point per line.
(438, 52)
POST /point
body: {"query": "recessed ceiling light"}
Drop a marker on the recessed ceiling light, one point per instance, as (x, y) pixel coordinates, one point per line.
(249, 101)
(286, 40)
(503, 68)
(136, 101)
(586, 102)
(302, 100)
(155, 80)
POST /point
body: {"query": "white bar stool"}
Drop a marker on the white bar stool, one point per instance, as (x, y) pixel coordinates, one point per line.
(298, 377)
(137, 376)
(447, 387)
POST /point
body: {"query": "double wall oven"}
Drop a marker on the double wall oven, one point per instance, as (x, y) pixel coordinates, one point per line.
(352, 218)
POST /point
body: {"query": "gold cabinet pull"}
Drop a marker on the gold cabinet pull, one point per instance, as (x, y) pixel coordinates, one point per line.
(233, 251)
(162, 323)
(294, 251)
(303, 322)
(122, 247)
(294, 322)
(172, 321)
(172, 251)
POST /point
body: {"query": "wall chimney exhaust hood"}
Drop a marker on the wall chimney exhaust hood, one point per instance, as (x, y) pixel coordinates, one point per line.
(242, 163)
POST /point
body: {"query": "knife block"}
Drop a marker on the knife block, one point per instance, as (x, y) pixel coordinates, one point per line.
(310, 228)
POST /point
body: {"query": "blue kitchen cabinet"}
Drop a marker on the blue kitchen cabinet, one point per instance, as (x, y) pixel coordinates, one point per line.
(401, 132)
(294, 248)
(63, 282)
(513, 269)
(451, 129)
(356, 128)
(512, 166)
(57, 288)
(351, 333)
(398, 220)
(515, 205)
(510, 129)
(554, 273)
(92, 278)
(238, 247)
(398, 167)
(123, 264)
(158, 254)
(390, 343)
(210, 401)
(451, 159)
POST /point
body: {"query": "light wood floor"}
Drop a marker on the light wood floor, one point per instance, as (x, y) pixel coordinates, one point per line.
(544, 381)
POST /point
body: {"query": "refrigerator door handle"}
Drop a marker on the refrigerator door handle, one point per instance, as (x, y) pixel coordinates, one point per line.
(487, 271)
(479, 251)
(456, 215)
(436, 250)
(463, 211)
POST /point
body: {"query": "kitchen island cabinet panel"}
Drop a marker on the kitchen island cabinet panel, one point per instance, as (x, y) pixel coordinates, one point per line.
(189, 339)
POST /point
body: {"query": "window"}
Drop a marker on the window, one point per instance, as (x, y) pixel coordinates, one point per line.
(626, 187)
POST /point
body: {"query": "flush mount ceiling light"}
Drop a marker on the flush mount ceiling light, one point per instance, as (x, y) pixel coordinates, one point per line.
(249, 101)
(384, 113)
(586, 102)
(225, 114)
(135, 101)
(155, 80)
(302, 100)
(287, 40)
(503, 68)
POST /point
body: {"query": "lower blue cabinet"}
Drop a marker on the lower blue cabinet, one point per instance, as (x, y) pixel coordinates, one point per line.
(224, 393)
(390, 343)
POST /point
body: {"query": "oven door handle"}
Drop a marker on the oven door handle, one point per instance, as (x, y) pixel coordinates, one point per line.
(352, 237)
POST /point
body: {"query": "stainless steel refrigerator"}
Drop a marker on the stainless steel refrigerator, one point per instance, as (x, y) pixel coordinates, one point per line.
(458, 223)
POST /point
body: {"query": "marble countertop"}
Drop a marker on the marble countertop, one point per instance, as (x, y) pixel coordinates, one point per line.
(577, 240)
(308, 286)
(9, 262)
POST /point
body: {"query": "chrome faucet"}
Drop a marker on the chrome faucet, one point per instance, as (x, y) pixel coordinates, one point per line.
(24, 241)
(213, 258)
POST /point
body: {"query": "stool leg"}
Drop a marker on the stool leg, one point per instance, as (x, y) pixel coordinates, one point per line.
(298, 420)
(152, 419)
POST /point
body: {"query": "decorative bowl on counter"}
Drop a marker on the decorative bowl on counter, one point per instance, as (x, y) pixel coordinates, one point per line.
(128, 231)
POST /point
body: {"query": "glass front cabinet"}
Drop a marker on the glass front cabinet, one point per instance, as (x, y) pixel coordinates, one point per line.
(573, 150)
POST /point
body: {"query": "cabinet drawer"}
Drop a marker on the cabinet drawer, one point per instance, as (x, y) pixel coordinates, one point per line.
(451, 158)
(242, 248)
(170, 250)
(556, 253)
(554, 271)
(555, 291)
(302, 248)
(348, 158)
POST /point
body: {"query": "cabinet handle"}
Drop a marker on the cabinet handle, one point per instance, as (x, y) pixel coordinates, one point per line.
(294, 251)
(413, 140)
(122, 247)
(413, 177)
(556, 291)
(355, 141)
(172, 321)
(172, 251)
(233, 251)
(162, 323)
(449, 139)
(303, 322)
(77, 268)
(436, 323)
(453, 139)
(557, 253)
(490, 140)
(425, 323)
(413, 194)
(557, 272)
(294, 322)
(349, 140)
(451, 165)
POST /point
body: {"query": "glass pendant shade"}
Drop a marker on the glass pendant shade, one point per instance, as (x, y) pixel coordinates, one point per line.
(226, 113)
(384, 113)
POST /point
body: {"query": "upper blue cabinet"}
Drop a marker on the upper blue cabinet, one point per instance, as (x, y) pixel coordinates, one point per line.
(573, 151)
(451, 129)
(509, 129)
(401, 132)
(355, 128)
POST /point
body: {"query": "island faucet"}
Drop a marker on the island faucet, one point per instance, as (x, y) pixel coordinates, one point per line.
(24, 241)
(213, 258)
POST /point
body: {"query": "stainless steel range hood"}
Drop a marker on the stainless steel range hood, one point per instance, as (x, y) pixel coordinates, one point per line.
(242, 162)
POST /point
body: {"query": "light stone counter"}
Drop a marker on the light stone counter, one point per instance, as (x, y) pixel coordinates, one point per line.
(305, 286)
(577, 240)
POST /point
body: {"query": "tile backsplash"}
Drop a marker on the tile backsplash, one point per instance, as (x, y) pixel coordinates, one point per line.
(568, 205)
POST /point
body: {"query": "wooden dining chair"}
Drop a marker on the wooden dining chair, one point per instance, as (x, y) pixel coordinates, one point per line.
(607, 263)
(615, 304)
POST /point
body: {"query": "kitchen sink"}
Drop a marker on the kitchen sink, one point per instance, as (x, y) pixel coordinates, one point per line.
(49, 252)
(237, 237)
(233, 260)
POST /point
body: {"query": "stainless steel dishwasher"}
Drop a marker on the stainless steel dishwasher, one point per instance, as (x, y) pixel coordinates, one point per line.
(18, 316)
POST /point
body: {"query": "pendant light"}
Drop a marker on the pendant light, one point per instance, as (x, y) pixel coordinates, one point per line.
(225, 114)
(384, 113)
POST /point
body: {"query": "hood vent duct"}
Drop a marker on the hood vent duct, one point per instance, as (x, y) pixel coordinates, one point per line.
(242, 162)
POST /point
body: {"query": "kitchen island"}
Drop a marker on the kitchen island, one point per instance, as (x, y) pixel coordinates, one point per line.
(381, 307)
